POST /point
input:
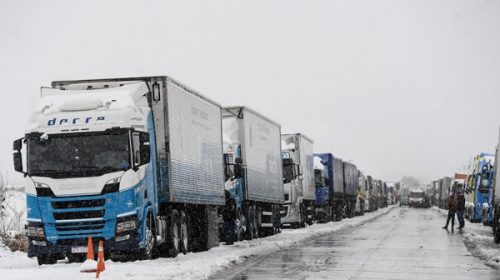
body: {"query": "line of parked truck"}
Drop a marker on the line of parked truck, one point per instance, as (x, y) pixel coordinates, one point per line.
(147, 164)
(481, 187)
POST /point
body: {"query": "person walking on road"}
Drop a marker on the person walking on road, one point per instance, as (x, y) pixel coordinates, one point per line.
(452, 209)
(460, 209)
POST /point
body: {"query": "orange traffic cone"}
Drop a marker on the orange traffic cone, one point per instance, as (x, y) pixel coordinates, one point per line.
(89, 265)
(100, 263)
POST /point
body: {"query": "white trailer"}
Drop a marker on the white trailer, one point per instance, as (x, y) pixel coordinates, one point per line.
(496, 194)
(299, 185)
(252, 143)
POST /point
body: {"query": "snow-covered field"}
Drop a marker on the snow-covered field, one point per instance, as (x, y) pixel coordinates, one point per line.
(191, 266)
(480, 242)
(14, 212)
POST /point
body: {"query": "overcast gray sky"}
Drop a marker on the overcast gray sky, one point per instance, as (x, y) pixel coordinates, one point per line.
(397, 87)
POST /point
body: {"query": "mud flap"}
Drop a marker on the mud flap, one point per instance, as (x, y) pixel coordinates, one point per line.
(205, 225)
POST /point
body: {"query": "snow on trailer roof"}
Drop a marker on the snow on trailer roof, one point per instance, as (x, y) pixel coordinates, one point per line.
(117, 81)
(57, 100)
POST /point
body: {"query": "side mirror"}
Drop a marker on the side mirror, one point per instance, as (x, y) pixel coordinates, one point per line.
(18, 144)
(18, 157)
(18, 162)
(136, 148)
(145, 148)
(298, 173)
(156, 92)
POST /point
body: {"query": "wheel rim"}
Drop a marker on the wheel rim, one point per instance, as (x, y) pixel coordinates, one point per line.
(184, 235)
(176, 237)
(149, 238)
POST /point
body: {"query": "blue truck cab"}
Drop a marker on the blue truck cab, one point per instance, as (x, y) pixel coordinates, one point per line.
(482, 181)
(105, 159)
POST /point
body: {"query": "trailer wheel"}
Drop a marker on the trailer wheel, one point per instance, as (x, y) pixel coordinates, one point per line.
(256, 219)
(184, 233)
(173, 234)
(310, 212)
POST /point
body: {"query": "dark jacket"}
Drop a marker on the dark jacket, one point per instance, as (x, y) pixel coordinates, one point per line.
(460, 203)
(229, 210)
(452, 204)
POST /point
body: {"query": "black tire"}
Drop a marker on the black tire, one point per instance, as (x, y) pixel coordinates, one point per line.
(173, 236)
(48, 259)
(149, 250)
(239, 234)
(303, 215)
(256, 221)
(185, 245)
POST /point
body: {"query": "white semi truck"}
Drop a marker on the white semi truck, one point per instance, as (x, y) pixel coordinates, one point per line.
(134, 162)
(496, 194)
(298, 179)
(254, 179)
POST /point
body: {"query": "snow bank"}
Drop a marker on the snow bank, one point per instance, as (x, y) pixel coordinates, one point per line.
(191, 266)
(480, 242)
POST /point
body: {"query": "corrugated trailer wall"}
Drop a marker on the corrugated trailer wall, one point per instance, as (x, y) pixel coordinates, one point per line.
(307, 167)
(338, 176)
(194, 126)
(262, 152)
(350, 179)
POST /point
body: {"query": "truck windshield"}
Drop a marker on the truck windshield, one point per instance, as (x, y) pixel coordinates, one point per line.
(417, 194)
(78, 155)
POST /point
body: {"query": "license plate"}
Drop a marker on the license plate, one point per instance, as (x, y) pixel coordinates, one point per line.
(81, 249)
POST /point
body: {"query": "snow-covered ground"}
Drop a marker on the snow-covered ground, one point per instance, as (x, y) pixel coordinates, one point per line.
(191, 266)
(479, 241)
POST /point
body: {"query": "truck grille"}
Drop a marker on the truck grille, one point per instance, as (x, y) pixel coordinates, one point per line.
(94, 225)
(79, 215)
(78, 241)
(78, 204)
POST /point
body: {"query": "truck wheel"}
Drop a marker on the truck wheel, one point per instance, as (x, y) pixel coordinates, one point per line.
(173, 234)
(256, 218)
(240, 231)
(48, 259)
(303, 215)
(309, 212)
(184, 229)
(149, 241)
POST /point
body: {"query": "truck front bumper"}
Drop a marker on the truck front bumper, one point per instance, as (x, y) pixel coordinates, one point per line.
(289, 214)
(123, 244)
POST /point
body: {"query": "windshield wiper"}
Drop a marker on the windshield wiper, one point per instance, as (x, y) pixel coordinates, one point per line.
(86, 167)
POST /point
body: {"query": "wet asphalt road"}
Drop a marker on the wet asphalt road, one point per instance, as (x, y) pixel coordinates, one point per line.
(403, 244)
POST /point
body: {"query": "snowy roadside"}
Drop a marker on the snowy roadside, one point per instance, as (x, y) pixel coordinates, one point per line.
(191, 266)
(479, 241)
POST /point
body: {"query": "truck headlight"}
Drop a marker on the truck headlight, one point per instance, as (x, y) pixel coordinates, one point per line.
(111, 186)
(43, 189)
(34, 231)
(126, 226)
